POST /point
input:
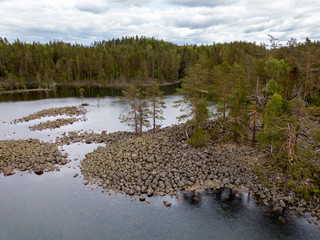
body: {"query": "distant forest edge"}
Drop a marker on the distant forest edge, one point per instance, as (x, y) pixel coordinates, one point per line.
(139, 60)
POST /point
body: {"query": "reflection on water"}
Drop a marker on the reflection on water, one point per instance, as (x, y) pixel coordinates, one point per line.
(56, 205)
(72, 91)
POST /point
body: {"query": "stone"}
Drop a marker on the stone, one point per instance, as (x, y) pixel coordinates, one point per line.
(7, 171)
(75, 175)
(300, 210)
(167, 204)
(237, 182)
(134, 156)
(161, 185)
(163, 174)
(226, 181)
(145, 176)
(282, 219)
(136, 174)
(142, 198)
(150, 160)
(38, 170)
(137, 189)
(180, 184)
(64, 161)
(149, 192)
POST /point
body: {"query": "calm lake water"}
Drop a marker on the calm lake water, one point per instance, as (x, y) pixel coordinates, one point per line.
(57, 206)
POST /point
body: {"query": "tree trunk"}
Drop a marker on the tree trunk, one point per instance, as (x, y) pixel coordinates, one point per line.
(255, 114)
(154, 112)
(135, 117)
(236, 112)
(254, 124)
(285, 182)
(287, 85)
(224, 105)
(306, 82)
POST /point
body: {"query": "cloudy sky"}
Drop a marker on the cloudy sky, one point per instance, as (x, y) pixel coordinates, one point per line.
(177, 21)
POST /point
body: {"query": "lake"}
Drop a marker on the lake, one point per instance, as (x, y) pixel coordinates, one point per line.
(56, 205)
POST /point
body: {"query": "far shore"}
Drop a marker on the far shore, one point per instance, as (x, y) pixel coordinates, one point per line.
(88, 84)
(26, 90)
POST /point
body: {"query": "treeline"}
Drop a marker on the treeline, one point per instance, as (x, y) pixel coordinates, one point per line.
(134, 59)
(116, 61)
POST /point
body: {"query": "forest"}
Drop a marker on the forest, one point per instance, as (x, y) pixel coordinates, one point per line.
(140, 60)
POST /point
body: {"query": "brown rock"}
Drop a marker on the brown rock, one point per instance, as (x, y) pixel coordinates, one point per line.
(8, 171)
(167, 204)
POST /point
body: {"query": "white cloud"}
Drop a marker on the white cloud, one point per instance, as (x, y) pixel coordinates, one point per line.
(178, 21)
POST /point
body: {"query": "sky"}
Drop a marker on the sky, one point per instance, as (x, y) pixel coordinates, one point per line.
(176, 21)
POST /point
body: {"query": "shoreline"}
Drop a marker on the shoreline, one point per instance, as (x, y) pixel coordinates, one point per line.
(87, 84)
(26, 90)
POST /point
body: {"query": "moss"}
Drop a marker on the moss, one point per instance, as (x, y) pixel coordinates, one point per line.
(268, 184)
(214, 133)
(316, 135)
(303, 191)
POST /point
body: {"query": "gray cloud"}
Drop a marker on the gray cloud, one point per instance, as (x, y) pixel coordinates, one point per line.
(178, 21)
(207, 3)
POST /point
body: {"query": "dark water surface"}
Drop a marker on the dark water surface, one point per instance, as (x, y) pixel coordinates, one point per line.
(56, 205)
(72, 91)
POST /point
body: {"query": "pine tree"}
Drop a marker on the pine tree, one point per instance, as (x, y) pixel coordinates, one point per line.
(279, 132)
(137, 115)
(156, 101)
(239, 101)
(131, 118)
(194, 90)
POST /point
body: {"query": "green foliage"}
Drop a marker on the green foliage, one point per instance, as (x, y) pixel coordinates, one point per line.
(136, 115)
(81, 92)
(141, 59)
(316, 135)
(214, 133)
(156, 103)
(275, 123)
(199, 138)
(277, 69)
(194, 91)
(274, 88)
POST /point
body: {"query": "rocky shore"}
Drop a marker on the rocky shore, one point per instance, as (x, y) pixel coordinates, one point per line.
(92, 137)
(53, 112)
(30, 155)
(54, 124)
(163, 164)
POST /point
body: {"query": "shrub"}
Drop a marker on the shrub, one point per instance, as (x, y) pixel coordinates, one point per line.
(199, 138)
